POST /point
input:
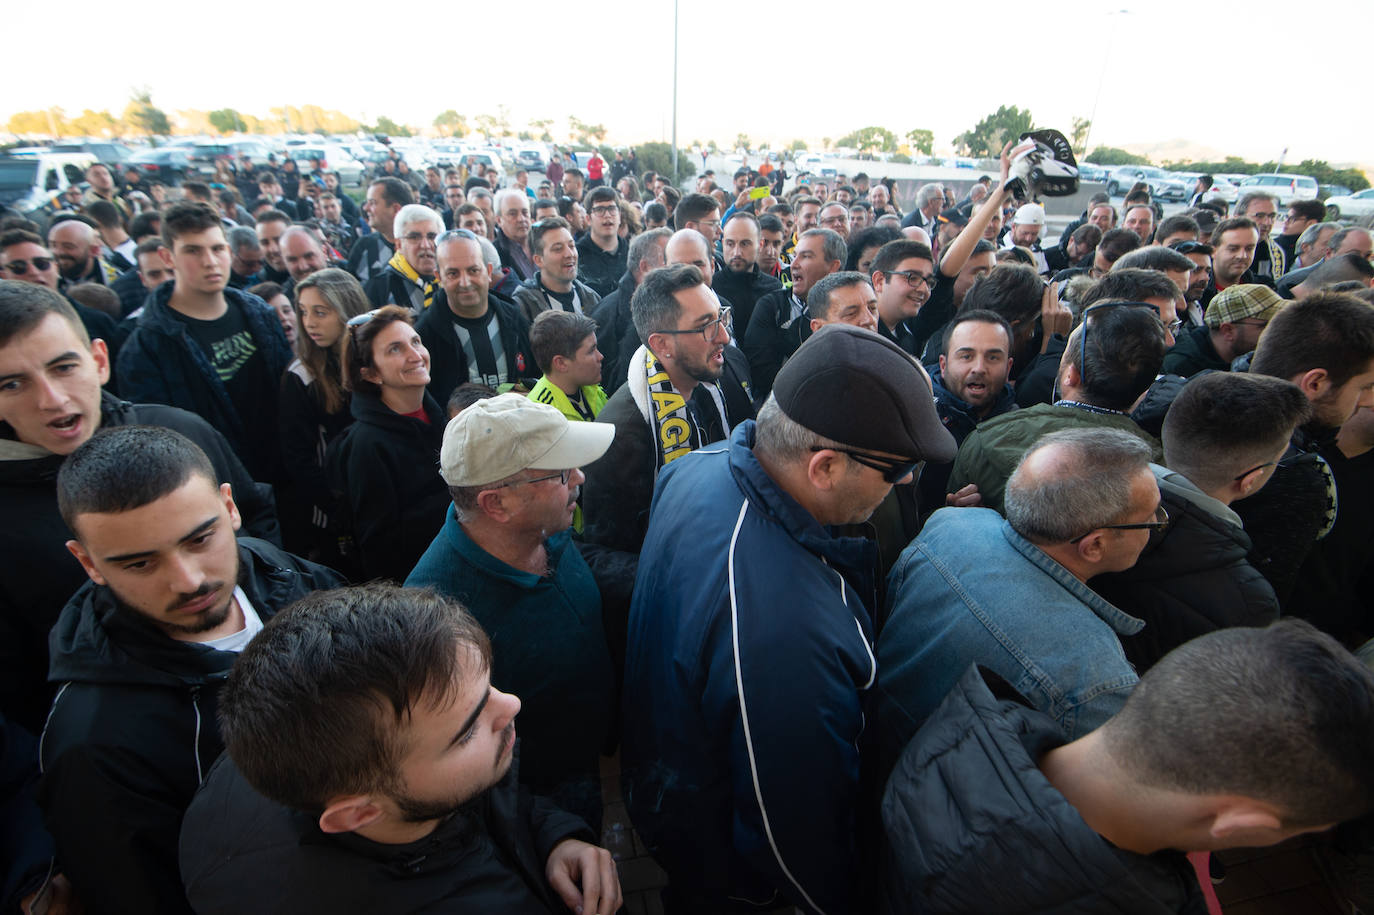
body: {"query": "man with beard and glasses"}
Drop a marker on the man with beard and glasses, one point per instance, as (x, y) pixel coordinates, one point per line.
(76, 246)
(372, 766)
(140, 652)
(670, 404)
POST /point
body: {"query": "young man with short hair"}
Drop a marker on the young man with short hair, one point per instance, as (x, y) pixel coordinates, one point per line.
(554, 284)
(372, 766)
(602, 253)
(51, 402)
(1240, 738)
(207, 348)
(141, 651)
(564, 347)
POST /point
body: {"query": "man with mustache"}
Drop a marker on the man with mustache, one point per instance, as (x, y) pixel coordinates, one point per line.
(141, 650)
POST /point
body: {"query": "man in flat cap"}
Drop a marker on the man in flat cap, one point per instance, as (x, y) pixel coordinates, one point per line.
(750, 644)
(505, 551)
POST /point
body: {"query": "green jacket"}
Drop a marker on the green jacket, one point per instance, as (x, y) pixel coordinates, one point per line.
(991, 452)
(548, 392)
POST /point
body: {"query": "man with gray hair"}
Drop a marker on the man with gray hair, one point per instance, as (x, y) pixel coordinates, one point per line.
(408, 279)
(1012, 595)
(748, 609)
(1346, 240)
(612, 314)
(930, 199)
(245, 257)
(512, 232)
(846, 297)
(506, 553)
(1313, 244)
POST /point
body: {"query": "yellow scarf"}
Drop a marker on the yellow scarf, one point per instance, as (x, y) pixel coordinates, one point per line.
(402, 266)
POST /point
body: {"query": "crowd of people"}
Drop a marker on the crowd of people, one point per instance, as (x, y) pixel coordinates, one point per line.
(906, 562)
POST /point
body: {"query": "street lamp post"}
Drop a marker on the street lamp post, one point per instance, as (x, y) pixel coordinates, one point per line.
(675, 92)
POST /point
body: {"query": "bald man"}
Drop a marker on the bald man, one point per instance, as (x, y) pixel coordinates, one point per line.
(75, 245)
(303, 254)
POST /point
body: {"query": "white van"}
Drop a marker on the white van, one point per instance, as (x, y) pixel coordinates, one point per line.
(1285, 187)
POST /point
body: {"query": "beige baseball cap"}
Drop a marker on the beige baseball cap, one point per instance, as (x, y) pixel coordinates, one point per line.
(503, 435)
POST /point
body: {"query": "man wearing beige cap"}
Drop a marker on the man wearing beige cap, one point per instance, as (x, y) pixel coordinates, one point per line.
(750, 645)
(1234, 321)
(505, 551)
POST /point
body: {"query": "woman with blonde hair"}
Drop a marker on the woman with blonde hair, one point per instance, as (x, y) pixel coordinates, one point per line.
(314, 405)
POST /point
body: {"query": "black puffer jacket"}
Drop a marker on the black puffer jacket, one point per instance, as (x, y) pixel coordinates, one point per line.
(133, 733)
(1192, 580)
(39, 576)
(971, 825)
(388, 496)
(242, 854)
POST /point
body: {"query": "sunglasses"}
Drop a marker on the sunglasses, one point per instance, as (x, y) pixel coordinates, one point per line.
(893, 471)
(22, 266)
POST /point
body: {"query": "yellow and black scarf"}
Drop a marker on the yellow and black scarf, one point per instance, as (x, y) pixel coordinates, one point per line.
(402, 266)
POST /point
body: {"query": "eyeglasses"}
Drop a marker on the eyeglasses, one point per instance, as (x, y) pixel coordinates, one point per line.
(414, 237)
(22, 266)
(562, 477)
(913, 278)
(1158, 525)
(893, 471)
(708, 330)
(1242, 476)
(605, 209)
(1083, 338)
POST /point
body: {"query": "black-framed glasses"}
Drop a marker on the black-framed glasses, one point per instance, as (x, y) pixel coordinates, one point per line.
(1083, 338)
(914, 278)
(1242, 476)
(708, 330)
(893, 471)
(605, 209)
(561, 476)
(1159, 524)
(22, 266)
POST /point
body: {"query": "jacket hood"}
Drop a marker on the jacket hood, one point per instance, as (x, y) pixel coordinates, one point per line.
(96, 640)
(975, 826)
(1004, 402)
(21, 462)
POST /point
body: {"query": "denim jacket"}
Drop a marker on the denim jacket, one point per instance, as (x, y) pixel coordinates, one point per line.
(969, 590)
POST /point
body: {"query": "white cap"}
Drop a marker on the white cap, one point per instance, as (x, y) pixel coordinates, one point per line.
(503, 435)
(1030, 214)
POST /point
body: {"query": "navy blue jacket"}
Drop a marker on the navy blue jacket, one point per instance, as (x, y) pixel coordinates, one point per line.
(749, 655)
(160, 363)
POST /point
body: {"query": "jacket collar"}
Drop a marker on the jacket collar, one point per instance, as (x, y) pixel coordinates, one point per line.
(1122, 623)
(469, 549)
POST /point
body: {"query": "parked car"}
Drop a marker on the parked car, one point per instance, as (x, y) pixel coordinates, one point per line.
(1358, 206)
(531, 158)
(170, 165)
(1121, 178)
(256, 151)
(106, 152)
(1174, 187)
(1092, 173)
(1327, 191)
(1285, 187)
(333, 159)
(29, 183)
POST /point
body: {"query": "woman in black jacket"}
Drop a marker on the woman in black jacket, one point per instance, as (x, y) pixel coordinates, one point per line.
(384, 469)
(313, 409)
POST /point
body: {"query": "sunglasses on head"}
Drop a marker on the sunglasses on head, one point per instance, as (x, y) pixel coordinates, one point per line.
(22, 266)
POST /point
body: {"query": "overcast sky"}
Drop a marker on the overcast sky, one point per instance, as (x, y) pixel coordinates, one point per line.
(1215, 76)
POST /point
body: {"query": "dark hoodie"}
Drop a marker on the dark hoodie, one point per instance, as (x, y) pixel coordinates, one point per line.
(39, 576)
(389, 498)
(132, 734)
(971, 824)
(960, 418)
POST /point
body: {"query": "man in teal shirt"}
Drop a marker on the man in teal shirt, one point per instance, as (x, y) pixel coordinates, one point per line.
(505, 551)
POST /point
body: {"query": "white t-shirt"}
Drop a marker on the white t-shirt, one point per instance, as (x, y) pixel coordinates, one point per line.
(252, 625)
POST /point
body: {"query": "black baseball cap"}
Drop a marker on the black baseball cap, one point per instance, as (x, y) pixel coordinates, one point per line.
(954, 215)
(862, 390)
